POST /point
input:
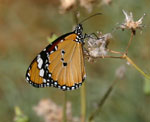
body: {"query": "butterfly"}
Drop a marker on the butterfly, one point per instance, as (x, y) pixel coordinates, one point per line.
(60, 64)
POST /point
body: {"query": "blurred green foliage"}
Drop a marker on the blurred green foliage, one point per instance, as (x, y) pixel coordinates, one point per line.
(52, 38)
(147, 86)
(20, 117)
(24, 25)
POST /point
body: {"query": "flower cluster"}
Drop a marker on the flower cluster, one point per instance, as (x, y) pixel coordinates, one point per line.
(97, 47)
(51, 112)
(67, 5)
(129, 22)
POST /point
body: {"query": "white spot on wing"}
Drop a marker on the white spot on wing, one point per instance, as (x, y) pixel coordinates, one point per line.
(48, 84)
(46, 65)
(44, 80)
(51, 52)
(27, 79)
(49, 75)
(40, 62)
(55, 47)
(55, 83)
(72, 88)
(28, 74)
(38, 56)
(41, 73)
(64, 87)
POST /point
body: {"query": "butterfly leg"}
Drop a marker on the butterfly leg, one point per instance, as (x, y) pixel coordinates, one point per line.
(92, 35)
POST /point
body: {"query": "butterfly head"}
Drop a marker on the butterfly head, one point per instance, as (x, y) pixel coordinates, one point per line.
(79, 29)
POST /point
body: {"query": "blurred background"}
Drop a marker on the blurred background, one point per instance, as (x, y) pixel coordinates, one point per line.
(25, 26)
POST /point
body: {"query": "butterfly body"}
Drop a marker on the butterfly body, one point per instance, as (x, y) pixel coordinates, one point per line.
(60, 64)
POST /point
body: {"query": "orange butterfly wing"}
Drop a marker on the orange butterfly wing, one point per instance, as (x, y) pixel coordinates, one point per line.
(61, 64)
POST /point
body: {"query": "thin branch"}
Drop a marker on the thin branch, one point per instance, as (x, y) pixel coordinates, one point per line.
(102, 101)
(115, 52)
(136, 67)
(65, 107)
(105, 56)
(129, 42)
(124, 56)
(87, 54)
(83, 102)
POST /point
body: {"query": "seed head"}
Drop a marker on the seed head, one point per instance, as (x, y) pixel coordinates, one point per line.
(97, 47)
(129, 22)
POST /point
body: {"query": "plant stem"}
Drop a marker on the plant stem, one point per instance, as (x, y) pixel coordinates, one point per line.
(129, 42)
(115, 52)
(118, 57)
(124, 56)
(83, 103)
(136, 67)
(64, 107)
(102, 101)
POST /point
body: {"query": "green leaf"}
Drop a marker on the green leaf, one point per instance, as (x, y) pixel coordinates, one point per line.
(52, 38)
(19, 116)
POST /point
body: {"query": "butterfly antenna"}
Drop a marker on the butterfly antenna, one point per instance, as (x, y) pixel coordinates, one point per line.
(90, 17)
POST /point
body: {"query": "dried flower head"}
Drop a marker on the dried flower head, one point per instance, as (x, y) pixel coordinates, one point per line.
(106, 2)
(97, 47)
(129, 22)
(87, 4)
(51, 112)
(66, 5)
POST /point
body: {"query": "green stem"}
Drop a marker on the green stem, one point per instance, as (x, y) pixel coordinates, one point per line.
(64, 107)
(83, 103)
(102, 101)
(136, 67)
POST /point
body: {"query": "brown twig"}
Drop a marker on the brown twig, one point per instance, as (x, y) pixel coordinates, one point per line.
(107, 56)
(87, 54)
(129, 42)
(64, 107)
(115, 52)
